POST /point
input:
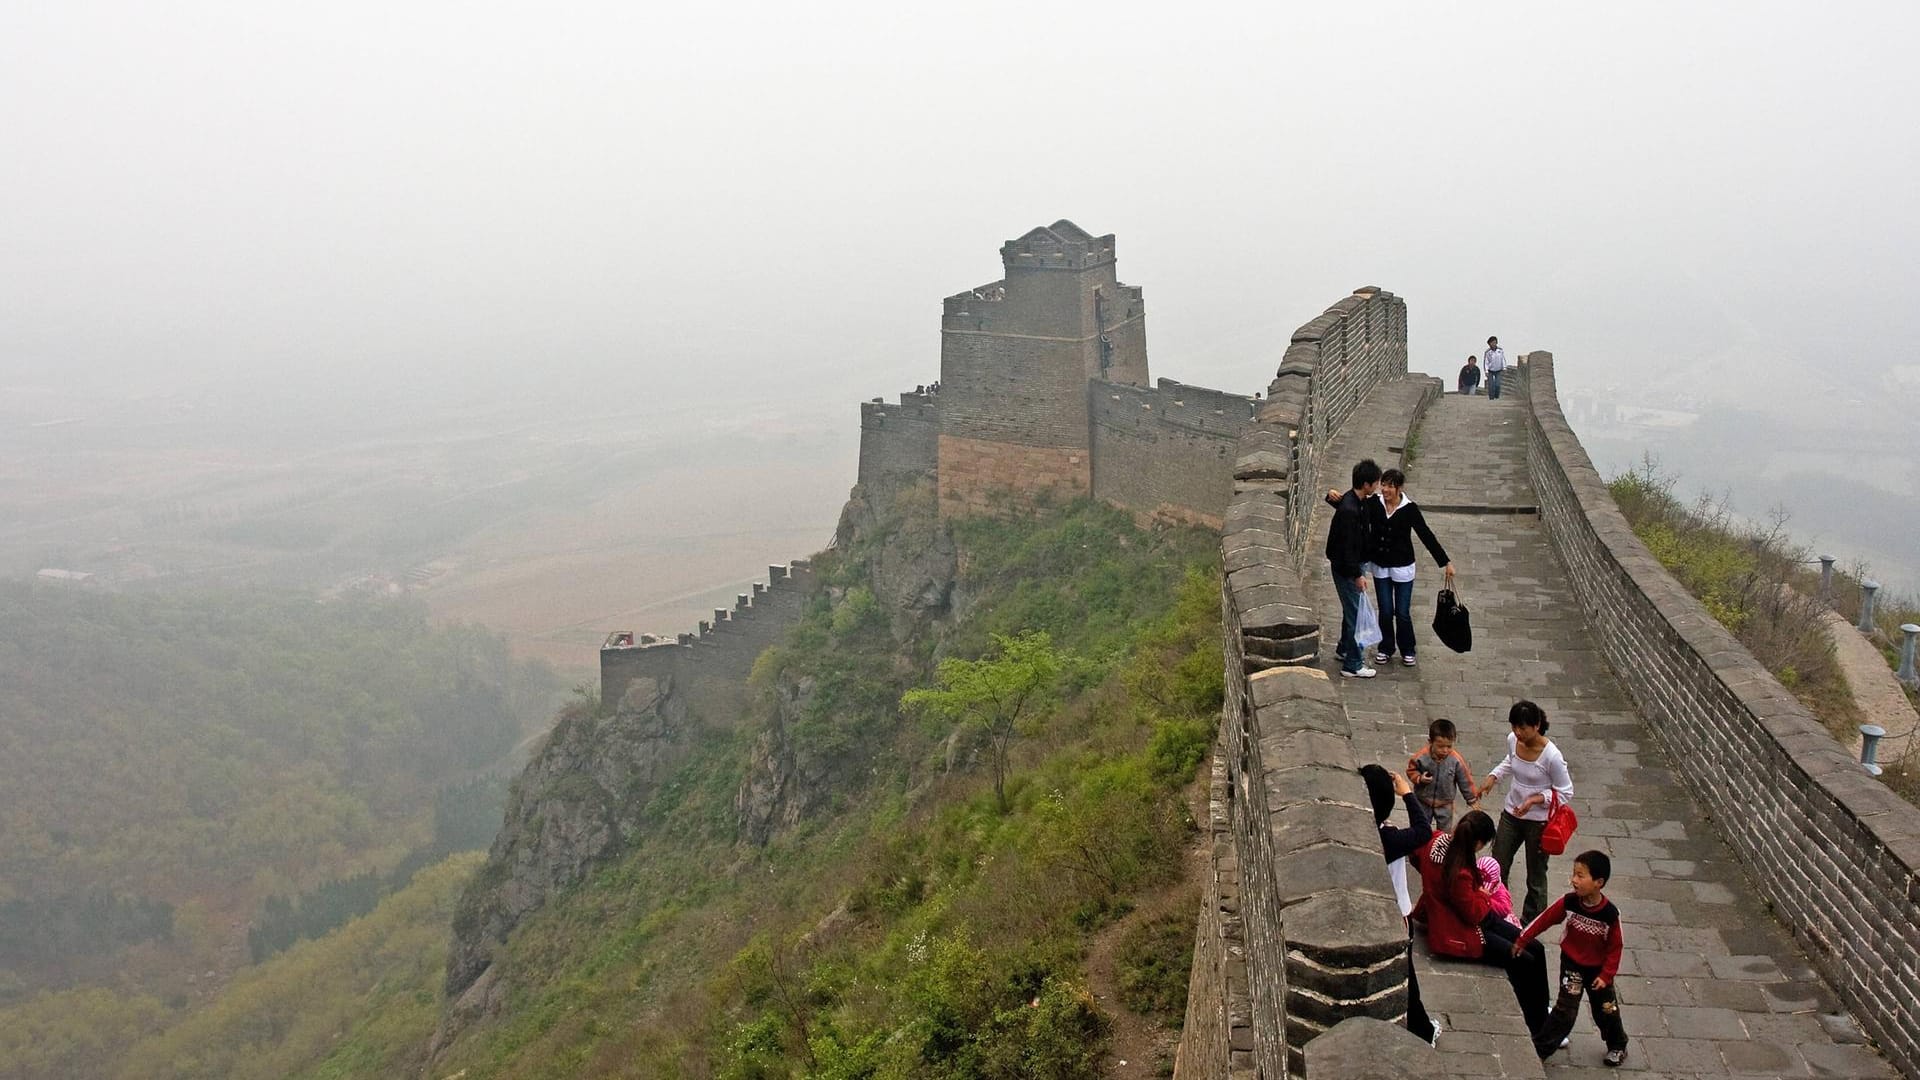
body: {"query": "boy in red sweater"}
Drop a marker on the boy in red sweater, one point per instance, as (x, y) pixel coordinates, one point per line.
(1589, 958)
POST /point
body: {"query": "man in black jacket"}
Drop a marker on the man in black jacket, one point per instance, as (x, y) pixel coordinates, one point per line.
(1347, 550)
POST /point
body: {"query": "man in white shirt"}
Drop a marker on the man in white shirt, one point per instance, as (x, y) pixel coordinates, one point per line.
(1494, 363)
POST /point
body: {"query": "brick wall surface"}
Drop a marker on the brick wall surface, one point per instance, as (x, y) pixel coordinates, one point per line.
(1167, 451)
(1832, 849)
(1028, 391)
(976, 474)
(899, 444)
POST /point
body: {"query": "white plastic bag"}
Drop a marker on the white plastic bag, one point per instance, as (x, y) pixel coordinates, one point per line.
(1366, 625)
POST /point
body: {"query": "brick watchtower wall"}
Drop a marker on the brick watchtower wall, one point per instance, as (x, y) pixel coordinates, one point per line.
(899, 444)
(1298, 927)
(1835, 853)
(1016, 357)
(1167, 452)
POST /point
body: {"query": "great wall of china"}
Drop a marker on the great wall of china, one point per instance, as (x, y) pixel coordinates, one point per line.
(1776, 940)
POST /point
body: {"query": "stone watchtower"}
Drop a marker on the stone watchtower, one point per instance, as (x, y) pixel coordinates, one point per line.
(1017, 360)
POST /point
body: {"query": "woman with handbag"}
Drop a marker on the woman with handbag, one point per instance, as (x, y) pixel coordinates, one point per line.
(1541, 789)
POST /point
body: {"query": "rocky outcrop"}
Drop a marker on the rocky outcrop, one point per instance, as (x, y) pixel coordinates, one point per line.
(911, 560)
(784, 781)
(578, 804)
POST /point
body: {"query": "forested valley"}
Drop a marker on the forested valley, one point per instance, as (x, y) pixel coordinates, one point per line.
(191, 782)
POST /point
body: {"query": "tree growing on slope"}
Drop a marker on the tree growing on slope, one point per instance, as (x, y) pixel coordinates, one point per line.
(997, 694)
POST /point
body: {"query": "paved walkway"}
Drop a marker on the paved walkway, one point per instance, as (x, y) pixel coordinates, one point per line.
(1711, 985)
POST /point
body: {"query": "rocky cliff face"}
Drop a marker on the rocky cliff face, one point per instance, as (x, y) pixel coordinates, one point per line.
(784, 782)
(911, 560)
(577, 804)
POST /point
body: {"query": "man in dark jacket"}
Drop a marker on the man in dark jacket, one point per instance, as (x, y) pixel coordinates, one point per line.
(1348, 546)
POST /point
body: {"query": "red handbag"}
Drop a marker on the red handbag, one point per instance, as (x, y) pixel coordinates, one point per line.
(1561, 821)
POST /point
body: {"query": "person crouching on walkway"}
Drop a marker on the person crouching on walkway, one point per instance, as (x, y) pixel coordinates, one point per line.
(1458, 911)
(1393, 520)
(1538, 770)
(1348, 547)
(1469, 381)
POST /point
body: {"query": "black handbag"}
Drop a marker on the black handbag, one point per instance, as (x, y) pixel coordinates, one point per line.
(1451, 623)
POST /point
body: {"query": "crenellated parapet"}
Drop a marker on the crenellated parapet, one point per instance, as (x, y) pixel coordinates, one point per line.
(708, 666)
(1298, 929)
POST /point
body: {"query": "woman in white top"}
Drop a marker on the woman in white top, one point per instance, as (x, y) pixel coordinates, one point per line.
(1538, 771)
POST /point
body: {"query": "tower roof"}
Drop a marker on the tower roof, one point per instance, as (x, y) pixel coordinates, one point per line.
(1062, 245)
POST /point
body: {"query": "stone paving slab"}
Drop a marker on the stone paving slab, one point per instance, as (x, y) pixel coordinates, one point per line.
(1711, 985)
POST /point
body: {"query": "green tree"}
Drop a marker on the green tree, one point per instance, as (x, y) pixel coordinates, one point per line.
(995, 694)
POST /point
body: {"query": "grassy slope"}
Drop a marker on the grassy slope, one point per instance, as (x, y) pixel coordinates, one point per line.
(917, 931)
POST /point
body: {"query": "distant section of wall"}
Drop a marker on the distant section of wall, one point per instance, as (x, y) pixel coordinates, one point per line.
(1833, 851)
(899, 444)
(1333, 362)
(708, 669)
(1168, 451)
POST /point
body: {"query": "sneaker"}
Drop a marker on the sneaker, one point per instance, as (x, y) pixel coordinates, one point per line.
(1407, 660)
(1616, 1057)
(1382, 658)
(1566, 1042)
(1435, 1041)
(1362, 673)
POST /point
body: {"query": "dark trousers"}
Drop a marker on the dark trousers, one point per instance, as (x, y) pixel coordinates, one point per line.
(1507, 839)
(1396, 614)
(1418, 1022)
(1350, 597)
(1576, 979)
(1526, 973)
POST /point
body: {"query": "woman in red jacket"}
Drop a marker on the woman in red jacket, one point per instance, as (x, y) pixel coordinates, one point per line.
(1458, 909)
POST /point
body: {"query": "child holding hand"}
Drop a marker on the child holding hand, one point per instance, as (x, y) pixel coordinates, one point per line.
(1438, 773)
(1589, 958)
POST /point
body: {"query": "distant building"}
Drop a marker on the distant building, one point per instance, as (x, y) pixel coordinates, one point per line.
(52, 574)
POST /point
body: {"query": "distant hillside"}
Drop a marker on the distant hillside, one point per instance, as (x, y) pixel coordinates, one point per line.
(167, 762)
(324, 1009)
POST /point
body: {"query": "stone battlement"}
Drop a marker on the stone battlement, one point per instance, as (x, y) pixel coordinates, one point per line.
(709, 665)
(1060, 246)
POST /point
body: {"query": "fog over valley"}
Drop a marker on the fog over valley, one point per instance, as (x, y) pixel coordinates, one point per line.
(289, 226)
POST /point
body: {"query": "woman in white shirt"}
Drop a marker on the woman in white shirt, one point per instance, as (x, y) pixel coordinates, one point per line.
(1538, 771)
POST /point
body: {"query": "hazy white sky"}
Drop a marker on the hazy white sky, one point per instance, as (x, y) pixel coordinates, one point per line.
(722, 200)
